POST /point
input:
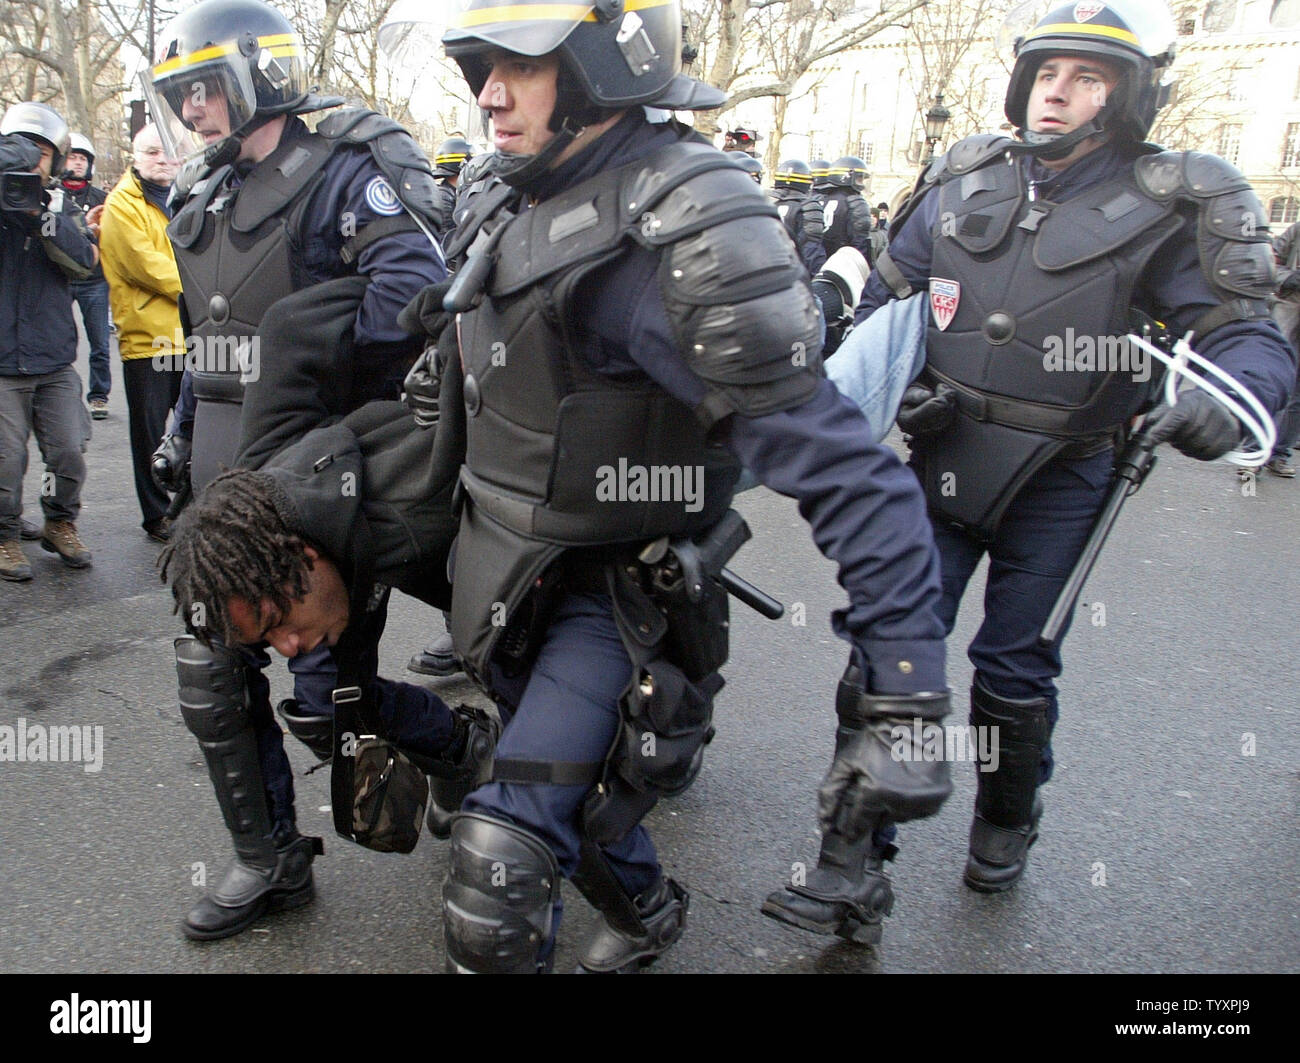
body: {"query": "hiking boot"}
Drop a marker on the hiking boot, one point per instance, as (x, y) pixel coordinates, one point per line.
(13, 562)
(99, 409)
(1280, 466)
(160, 530)
(60, 537)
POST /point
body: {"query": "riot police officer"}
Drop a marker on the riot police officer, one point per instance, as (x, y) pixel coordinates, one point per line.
(747, 163)
(630, 302)
(846, 215)
(453, 154)
(801, 213)
(1066, 231)
(267, 208)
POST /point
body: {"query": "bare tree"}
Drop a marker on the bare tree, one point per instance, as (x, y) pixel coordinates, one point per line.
(760, 48)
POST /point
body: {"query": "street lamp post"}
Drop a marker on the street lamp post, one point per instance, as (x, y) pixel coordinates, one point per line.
(936, 118)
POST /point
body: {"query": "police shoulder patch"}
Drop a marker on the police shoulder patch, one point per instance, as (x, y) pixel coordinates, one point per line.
(381, 198)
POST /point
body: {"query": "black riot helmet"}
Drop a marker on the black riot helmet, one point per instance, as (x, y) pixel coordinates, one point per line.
(453, 153)
(1137, 36)
(793, 173)
(243, 50)
(748, 163)
(848, 171)
(820, 168)
(40, 123)
(612, 55)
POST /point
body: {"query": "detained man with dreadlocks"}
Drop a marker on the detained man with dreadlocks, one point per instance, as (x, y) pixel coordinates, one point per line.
(296, 551)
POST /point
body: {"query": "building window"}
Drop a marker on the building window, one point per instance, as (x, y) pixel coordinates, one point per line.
(1283, 211)
(1230, 141)
(866, 150)
(1291, 145)
(1187, 27)
(1220, 15)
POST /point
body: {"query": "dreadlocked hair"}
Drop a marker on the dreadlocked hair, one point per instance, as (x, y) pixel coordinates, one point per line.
(232, 542)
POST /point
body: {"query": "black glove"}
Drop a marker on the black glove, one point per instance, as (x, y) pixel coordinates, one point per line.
(1290, 286)
(869, 780)
(170, 466)
(1198, 425)
(422, 386)
(924, 411)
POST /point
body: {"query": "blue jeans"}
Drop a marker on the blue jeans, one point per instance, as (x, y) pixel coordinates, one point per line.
(92, 297)
(1031, 556)
(49, 405)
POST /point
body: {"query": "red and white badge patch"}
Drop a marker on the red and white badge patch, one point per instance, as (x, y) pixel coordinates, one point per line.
(944, 297)
(1087, 10)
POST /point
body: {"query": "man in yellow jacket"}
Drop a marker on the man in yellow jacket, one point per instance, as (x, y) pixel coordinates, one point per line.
(144, 287)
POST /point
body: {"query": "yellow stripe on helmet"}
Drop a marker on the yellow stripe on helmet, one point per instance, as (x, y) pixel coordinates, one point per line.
(280, 44)
(541, 13)
(1114, 32)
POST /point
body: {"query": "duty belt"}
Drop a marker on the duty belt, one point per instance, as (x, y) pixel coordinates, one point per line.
(1076, 422)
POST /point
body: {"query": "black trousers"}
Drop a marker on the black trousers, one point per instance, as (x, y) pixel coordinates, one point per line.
(150, 395)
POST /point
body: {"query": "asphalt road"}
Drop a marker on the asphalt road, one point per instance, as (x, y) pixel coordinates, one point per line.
(1170, 841)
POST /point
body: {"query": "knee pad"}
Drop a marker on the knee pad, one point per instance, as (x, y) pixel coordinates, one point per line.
(499, 897)
(315, 732)
(213, 690)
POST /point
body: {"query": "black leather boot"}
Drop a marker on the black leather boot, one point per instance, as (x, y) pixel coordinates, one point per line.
(1007, 806)
(848, 893)
(627, 947)
(256, 884)
(272, 866)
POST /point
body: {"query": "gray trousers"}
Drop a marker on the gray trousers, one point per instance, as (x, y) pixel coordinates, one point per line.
(49, 405)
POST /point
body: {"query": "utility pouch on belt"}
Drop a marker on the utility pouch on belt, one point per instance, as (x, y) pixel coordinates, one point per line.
(671, 611)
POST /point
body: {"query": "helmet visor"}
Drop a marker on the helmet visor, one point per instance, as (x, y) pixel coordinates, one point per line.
(199, 103)
(526, 27)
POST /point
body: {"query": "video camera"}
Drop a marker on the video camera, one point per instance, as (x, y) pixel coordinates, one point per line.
(22, 193)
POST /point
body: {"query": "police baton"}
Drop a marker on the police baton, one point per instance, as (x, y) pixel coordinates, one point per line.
(1131, 468)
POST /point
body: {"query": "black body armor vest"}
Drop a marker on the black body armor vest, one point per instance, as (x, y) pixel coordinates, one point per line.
(232, 251)
(1029, 306)
(559, 456)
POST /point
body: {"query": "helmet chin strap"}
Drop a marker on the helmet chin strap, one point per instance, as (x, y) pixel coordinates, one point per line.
(1052, 146)
(226, 150)
(519, 171)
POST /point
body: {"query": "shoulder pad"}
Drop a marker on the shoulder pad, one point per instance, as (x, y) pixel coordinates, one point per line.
(395, 152)
(685, 188)
(969, 153)
(357, 124)
(1195, 174)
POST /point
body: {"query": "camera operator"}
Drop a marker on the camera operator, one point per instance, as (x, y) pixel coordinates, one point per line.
(44, 242)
